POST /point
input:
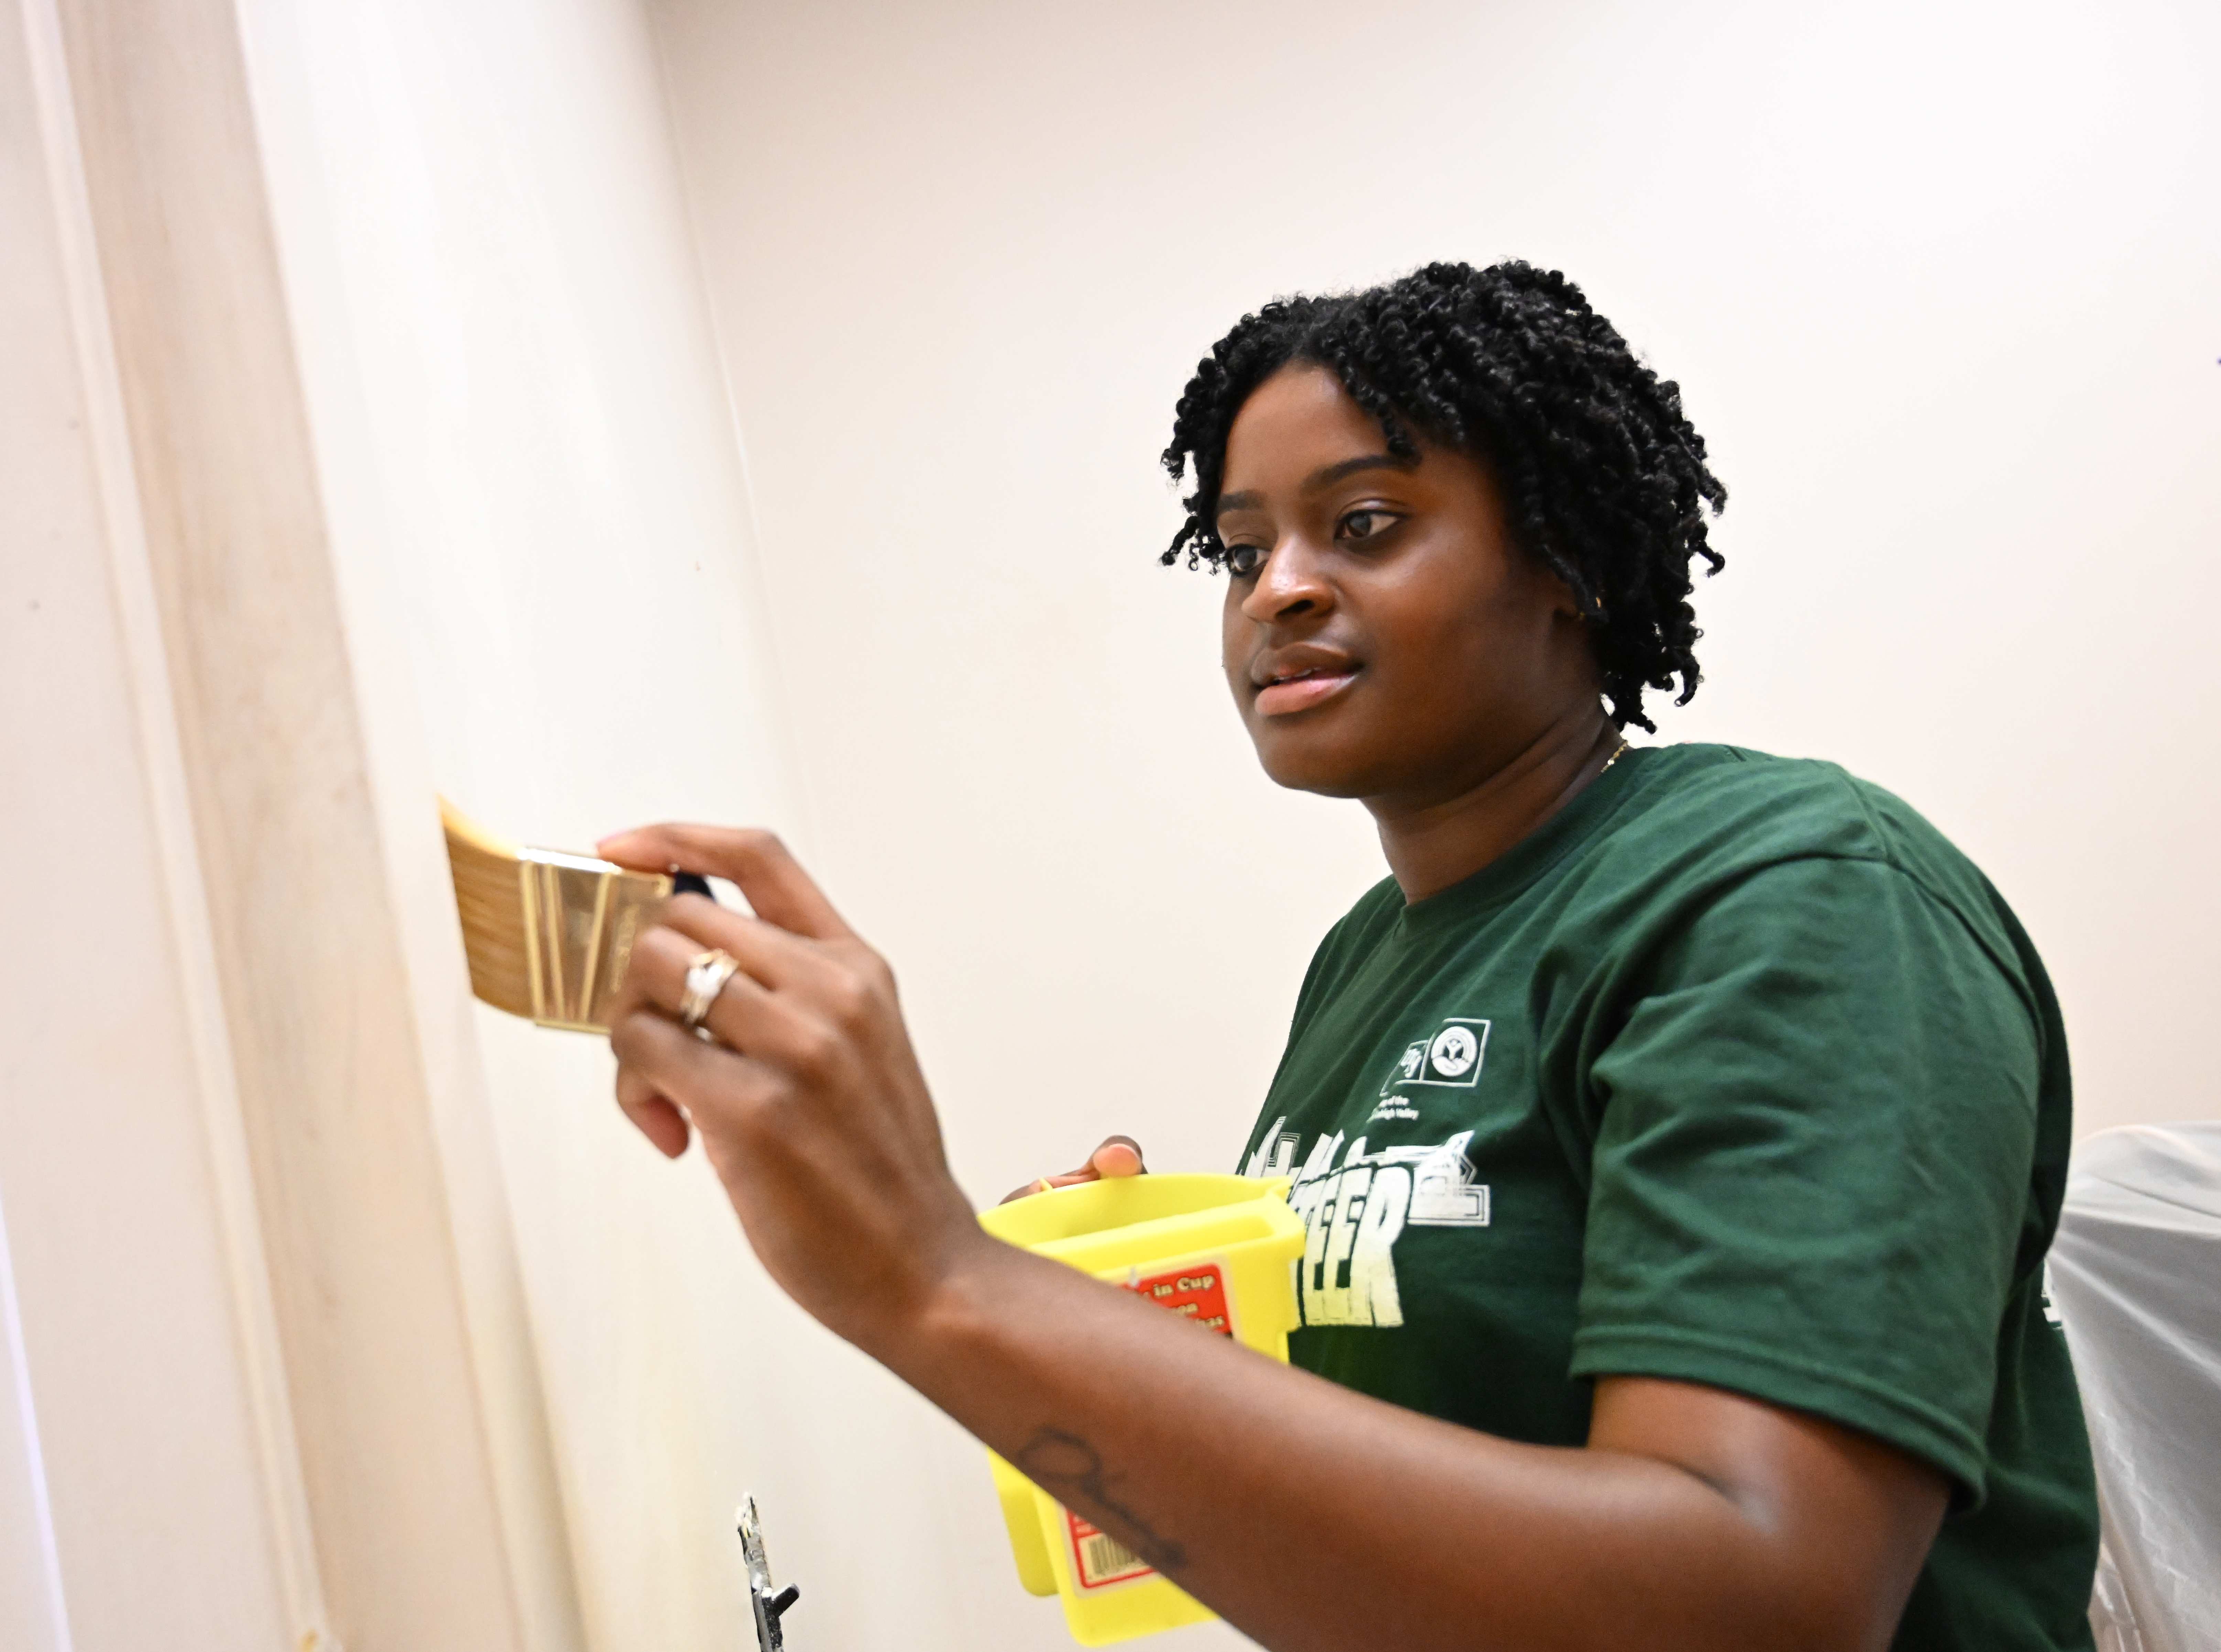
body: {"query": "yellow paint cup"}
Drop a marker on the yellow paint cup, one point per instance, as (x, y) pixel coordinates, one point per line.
(1219, 1250)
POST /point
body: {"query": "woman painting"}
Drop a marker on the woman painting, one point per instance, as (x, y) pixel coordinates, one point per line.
(1680, 1129)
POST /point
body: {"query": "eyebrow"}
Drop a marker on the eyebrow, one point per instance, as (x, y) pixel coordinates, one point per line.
(1320, 478)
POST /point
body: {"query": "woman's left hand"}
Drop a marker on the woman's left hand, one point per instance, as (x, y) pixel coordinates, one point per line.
(810, 1104)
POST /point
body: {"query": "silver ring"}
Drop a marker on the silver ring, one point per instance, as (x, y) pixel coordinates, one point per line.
(705, 977)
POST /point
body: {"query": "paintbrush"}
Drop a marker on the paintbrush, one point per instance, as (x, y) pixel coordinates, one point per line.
(548, 934)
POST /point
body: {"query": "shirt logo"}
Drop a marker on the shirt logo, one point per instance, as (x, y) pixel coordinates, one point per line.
(1452, 1058)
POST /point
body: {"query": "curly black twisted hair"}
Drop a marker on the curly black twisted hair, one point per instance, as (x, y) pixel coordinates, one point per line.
(1603, 477)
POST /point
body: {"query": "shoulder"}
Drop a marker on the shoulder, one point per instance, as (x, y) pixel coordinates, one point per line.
(1709, 817)
(1732, 795)
(1750, 807)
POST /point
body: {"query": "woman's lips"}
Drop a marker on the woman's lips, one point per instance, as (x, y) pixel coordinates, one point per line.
(1301, 693)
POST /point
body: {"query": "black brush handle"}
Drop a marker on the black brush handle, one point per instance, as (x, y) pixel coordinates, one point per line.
(690, 883)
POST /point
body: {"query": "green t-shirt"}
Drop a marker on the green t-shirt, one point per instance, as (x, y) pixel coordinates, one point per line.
(1733, 1072)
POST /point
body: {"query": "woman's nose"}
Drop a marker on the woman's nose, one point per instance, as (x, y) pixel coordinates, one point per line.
(1290, 585)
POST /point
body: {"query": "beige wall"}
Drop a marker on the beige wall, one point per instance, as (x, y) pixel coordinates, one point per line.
(1939, 280)
(148, 1482)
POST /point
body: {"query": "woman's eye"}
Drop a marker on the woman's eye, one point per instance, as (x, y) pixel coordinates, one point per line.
(1242, 561)
(1364, 525)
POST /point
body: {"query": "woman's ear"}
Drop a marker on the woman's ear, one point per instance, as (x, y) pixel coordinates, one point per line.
(1562, 599)
(1580, 632)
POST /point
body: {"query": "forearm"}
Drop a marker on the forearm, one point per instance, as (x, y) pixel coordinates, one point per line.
(1315, 1517)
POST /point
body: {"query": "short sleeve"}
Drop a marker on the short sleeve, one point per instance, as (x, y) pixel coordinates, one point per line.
(1813, 1159)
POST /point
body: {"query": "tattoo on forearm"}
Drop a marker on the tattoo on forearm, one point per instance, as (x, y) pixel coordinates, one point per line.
(1071, 1470)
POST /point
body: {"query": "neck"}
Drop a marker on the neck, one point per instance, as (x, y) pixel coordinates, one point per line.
(1433, 844)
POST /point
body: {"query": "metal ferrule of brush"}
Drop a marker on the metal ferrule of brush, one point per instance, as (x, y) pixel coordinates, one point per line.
(580, 916)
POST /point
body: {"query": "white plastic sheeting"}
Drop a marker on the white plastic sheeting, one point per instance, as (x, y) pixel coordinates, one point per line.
(2135, 1275)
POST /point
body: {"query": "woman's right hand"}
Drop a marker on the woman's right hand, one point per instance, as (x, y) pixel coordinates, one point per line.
(1119, 1155)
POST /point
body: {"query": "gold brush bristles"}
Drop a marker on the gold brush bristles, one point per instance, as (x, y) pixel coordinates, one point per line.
(548, 933)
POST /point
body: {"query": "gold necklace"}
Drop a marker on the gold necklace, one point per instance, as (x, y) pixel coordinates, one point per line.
(1618, 752)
